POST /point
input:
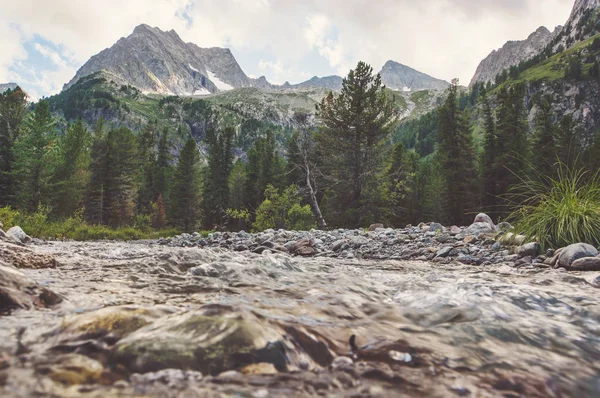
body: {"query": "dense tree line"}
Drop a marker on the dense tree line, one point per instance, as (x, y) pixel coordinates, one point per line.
(349, 171)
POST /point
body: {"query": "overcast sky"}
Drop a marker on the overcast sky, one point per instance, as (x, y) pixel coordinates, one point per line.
(44, 42)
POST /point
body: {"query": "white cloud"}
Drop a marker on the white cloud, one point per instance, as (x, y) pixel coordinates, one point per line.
(49, 53)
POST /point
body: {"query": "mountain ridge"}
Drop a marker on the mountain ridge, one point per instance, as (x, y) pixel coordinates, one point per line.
(157, 61)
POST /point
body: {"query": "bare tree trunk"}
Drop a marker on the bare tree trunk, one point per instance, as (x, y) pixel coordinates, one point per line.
(312, 197)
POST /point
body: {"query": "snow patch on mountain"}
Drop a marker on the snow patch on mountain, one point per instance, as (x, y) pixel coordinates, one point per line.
(221, 85)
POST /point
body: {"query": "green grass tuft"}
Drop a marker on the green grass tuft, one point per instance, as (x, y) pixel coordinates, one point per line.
(559, 211)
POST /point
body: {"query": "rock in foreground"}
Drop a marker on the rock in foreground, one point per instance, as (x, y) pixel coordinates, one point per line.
(17, 292)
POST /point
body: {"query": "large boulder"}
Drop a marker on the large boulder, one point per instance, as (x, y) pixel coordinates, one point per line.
(479, 228)
(22, 257)
(566, 256)
(482, 225)
(18, 234)
(216, 338)
(484, 218)
(18, 292)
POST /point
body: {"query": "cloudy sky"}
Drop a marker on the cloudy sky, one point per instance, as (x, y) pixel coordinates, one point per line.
(44, 42)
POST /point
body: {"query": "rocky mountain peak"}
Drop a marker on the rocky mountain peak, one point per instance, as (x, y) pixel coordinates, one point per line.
(582, 24)
(404, 78)
(513, 53)
(157, 61)
(7, 86)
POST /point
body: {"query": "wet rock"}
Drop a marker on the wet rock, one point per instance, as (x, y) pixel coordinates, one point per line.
(566, 256)
(18, 234)
(16, 291)
(341, 362)
(22, 257)
(174, 378)
(72, 369)
(375, 227)
(211, 340)
(532, 249)
(110, 323)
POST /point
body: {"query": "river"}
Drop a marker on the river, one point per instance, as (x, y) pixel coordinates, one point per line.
(281, 323)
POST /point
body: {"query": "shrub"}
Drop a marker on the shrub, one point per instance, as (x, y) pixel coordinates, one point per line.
(301, 218)
(283, 211)
(560, 211)
(9, 217)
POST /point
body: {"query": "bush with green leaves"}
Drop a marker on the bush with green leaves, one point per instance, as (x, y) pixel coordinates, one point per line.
(283, 211)
(557, 212)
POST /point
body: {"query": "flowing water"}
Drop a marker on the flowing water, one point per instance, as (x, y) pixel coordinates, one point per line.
(420, 329)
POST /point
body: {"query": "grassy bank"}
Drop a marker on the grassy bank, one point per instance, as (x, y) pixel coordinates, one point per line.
(75, 228)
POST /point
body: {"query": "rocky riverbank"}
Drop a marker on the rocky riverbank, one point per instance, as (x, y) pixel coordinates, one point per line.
(299, 314)
(481, 243)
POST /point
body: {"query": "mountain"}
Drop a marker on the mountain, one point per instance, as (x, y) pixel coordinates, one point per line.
(7, 86)
(513, 53)
(156, 61)
(333, 83)
(582, 24)
(401, 77)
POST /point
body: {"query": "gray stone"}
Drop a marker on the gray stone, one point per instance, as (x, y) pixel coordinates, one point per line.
(338, 244)
(566, 256)
(586, 264)
(436, 227)
(454, 230)
(532, 250)
(444, 252)
(484, 218)
(375, 227)
(18, 234)
(479, 228)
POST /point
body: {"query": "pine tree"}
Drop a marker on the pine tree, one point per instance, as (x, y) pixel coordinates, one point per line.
(163, 169)
(94, 203)
(185, 197)
(112, 189)
(216, 186)
(456, 156)
(147, 161)
(356, 124)
(544, 145)
(121, 184)
(488, 161)
(401, 176)
(264, 167)
(71, 175)
(13, 105)
(511, 144)
(32, 154)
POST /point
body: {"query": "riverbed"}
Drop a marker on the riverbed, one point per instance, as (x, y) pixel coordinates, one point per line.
(314, 327)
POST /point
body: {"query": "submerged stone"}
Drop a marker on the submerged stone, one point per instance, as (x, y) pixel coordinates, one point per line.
(211, 340)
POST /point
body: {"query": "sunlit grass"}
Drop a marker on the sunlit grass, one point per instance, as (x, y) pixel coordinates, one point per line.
(559, 211)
